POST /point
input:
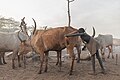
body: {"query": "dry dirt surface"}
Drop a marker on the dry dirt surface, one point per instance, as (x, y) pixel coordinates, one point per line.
(81, 71)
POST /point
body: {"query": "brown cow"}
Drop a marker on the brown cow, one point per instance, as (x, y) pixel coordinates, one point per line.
(26, 47)
(53, 40)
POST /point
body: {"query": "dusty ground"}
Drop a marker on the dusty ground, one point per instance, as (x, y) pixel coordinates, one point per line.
(81, 71)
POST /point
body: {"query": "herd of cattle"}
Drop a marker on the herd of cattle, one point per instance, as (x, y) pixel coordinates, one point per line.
(43, 41)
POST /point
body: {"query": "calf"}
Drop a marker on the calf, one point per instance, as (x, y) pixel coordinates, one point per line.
(24, 48)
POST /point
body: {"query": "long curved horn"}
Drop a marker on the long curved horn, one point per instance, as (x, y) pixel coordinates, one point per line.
(34, 25)
(24, 26)
(21, 27)
(93, 32)
(22, 23)
(23, 18)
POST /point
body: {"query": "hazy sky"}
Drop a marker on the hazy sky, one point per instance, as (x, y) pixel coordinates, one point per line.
(104, 15)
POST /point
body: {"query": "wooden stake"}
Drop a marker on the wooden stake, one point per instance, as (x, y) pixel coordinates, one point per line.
(116, 58)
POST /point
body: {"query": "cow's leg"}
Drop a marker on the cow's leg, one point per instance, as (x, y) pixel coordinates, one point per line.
(15, 53)
(24, 60)
(19, 64)
(110, 51)
(59, 61)
(57, 57)
(103, 56)
(4, 62)
(93, 63)
(1, 60)
(72, 64)
(78, 47)
(72, 55)
(41, 60)
(46, 61)
(103, 53)
(100, 61)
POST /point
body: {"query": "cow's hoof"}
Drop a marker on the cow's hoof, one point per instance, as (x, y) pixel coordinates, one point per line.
(103, 72)
(70, 73)
(78, 61)
(39, 72)
(1, 63)
(45, 70)
(5, 63)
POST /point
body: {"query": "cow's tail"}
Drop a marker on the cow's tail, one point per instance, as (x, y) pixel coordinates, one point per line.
(66, 41)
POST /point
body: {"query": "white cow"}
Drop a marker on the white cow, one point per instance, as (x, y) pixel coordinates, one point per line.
(10, 41)
(105, 41)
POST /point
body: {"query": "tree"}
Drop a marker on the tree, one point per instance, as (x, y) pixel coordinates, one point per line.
(69, 17)
(8, 22)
